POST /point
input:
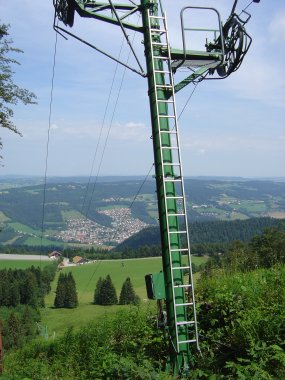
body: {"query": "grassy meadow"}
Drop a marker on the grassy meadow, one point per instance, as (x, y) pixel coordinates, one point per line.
(86, 277)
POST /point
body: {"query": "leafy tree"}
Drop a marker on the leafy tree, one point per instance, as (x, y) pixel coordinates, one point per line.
(10, 93)
(128, 295)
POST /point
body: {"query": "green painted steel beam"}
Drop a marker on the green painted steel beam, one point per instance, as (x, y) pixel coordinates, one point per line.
(179, 354)
(83, 10)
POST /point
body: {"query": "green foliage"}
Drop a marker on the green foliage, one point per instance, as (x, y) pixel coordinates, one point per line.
(241, 318)
(124, 347)
(105, 292)
(127, 294)
(18, 325)
(26, 286)
(262, 251)
(97, 294)
(242, 310)
(10, 93)
(66, 295)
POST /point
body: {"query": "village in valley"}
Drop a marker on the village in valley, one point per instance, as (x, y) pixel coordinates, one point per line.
(86, 231)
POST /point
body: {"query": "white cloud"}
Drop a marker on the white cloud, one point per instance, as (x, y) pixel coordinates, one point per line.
(131, 131)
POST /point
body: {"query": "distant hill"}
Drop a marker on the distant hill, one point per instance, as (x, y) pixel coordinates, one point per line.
(207, 232)
(107, 202)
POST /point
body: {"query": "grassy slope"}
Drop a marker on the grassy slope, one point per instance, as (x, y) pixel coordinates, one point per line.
(86, 277)
(21, 264)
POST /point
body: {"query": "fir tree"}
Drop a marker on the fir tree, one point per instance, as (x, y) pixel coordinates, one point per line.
(66, 295)
(60, 292)
(70, 297)
(108, 295)
(97, 293)
(128, 295)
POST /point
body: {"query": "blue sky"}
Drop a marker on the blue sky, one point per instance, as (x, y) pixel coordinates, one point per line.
(231, 127)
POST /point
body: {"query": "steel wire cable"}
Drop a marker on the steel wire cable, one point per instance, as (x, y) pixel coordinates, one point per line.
(48, 141)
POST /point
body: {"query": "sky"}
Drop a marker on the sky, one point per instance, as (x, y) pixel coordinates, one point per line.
(230, 127)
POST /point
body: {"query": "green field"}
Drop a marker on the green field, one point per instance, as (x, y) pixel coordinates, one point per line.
(86, 277)
(22, 264)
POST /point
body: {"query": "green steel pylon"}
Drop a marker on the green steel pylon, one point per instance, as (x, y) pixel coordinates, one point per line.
(179, 294)
(222, 57)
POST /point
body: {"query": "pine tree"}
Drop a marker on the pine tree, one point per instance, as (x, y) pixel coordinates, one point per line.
(128, 295)
(60, 292)
(97, 292)
(70, 297)
(108, 295)
(13, 332)
(66, 294)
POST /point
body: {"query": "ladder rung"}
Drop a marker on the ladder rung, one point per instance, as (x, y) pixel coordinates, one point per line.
(167, 116)
(160, 57)
(171, 164)
(184, 304)
(179, 250)
(172, 180)
(185, 323)
(162, 31)
(174, 197)
(183, 286)
(159, 44)
(157, 17)
(177, 232)
(173, 132)
(177, 214)
(169, 147)
(164, 86)
(188, 341)
(180, 268)
(162, 71)
(165, 101)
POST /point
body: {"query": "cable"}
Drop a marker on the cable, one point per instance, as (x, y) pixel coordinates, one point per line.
(101, 129)
(144, 181)
(185, 105)
(102, 156)
(108, 133)
(48, 141)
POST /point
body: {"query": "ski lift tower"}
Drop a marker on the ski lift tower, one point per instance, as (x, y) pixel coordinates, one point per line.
(222, 56)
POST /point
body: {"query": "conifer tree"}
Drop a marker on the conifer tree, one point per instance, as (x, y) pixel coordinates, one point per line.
(60, 292)
(128, 295)
(70, 297)
(97, 292)
(108, 295)
(66, 295)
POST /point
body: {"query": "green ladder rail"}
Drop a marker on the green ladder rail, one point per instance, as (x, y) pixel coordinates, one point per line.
(180, 300)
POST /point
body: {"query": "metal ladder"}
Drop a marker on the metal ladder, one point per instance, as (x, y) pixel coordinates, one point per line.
(173, 185)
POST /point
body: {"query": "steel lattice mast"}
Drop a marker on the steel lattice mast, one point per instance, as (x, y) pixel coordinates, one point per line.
(222, 57)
